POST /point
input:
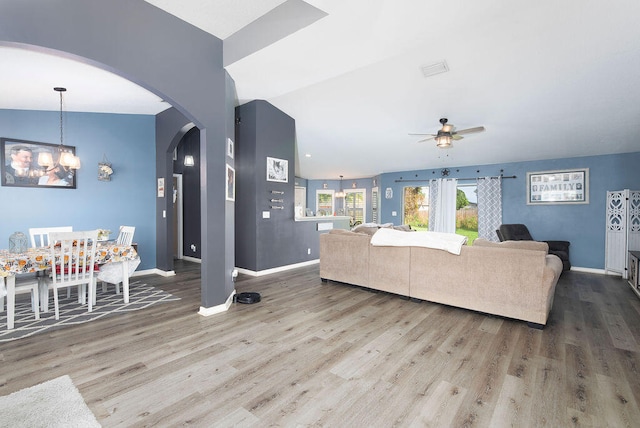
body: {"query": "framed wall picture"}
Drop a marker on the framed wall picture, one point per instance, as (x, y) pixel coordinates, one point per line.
(558, 187)
(32, 164)
(161, 187)
(277, 170)
(230, 148)
(231, 184)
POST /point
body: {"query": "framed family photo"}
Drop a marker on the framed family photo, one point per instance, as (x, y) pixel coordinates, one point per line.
(33, 164)
(558, 187)
(277, 170)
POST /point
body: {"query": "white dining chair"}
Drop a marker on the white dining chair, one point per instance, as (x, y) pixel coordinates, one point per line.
(28, 284)
(125, 237)
(40, 235)
(40, 238)
(74, 265)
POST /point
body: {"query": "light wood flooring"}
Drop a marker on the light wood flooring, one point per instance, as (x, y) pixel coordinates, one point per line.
(314, 354)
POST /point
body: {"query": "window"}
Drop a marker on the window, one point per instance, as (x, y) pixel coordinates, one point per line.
(467, 211)
(324, 202)
(355, 205)
(416, 207)
(374, 205)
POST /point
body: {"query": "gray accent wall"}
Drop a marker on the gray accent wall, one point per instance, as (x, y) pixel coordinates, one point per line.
(190, 146)
(174, 60)
(171, 127)
(265, 243)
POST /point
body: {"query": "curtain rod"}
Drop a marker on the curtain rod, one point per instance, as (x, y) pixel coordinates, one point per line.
(471, 178)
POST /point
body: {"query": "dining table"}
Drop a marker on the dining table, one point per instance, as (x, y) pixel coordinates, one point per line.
(35, 260)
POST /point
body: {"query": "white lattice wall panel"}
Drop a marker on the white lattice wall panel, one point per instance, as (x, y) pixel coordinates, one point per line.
(633, 221)
(622, 229)
(616, 241)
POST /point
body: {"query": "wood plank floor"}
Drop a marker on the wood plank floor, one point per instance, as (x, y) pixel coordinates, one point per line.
(314, 354)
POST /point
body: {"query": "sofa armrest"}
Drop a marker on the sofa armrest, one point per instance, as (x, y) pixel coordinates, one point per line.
(558, 245)
(344, 257)
(518, 245)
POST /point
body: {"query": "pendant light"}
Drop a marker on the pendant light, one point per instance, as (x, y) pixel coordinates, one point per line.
(341, 193)
(66, 158)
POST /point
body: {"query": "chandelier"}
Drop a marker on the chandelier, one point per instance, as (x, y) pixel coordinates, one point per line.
(65, 157)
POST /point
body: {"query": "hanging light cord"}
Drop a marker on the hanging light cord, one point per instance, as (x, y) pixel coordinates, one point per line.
(60, 91)
(61, 139)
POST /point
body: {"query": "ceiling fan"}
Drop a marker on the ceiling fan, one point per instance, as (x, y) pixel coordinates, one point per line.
(445, 135)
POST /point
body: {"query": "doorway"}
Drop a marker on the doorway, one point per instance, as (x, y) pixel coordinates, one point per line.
(178, 226)
(300, 201)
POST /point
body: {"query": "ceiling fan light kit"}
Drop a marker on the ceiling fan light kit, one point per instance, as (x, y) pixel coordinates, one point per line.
(447, 134)
(443, 141)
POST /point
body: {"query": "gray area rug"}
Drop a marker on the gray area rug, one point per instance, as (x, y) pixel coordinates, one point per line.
(55, 403)
(71, 312)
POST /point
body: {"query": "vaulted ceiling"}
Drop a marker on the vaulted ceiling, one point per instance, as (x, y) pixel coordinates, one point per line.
(547, 79)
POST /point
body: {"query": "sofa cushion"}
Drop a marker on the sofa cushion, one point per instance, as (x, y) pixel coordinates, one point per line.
(404, 227)
(340, 232)
(367, 230)
(518, 245)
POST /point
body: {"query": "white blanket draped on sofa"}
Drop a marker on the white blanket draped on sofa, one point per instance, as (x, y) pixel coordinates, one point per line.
(451, 242)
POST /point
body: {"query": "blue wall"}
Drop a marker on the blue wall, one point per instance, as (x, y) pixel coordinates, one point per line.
(128, 141)
(583, 225)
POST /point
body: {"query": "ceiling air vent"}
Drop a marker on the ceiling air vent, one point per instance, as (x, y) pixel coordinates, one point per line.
(433, 69)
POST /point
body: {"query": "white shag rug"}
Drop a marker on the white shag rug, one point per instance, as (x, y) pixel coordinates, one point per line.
(55, 403)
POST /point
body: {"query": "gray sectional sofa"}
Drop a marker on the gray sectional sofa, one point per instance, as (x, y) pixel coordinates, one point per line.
(514, 279)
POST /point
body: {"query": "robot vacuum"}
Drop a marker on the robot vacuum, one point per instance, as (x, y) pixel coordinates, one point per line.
(248, 298)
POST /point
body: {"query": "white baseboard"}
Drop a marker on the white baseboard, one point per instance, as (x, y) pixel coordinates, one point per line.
(588, 270)
(316, 261)
(154, 271)
(598, 271)
(191, 259)
(214, 310)
(277, 269)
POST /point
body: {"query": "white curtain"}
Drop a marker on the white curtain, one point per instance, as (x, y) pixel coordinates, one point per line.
(489, 207)
(442, 205)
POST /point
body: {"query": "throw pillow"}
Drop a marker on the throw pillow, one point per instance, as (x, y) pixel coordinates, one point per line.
(368, 230)
(404, 227)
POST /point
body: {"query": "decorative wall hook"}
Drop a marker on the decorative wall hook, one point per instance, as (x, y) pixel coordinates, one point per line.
(104, 169)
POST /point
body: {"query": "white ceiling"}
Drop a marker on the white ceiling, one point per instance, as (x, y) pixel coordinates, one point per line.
(547, 79)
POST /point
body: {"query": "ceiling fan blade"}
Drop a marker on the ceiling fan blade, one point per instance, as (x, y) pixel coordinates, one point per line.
(470, 130)
(427, 139)
(416, 134)
(456, 137)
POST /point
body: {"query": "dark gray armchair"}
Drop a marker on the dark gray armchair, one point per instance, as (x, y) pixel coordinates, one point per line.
(519, 232)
